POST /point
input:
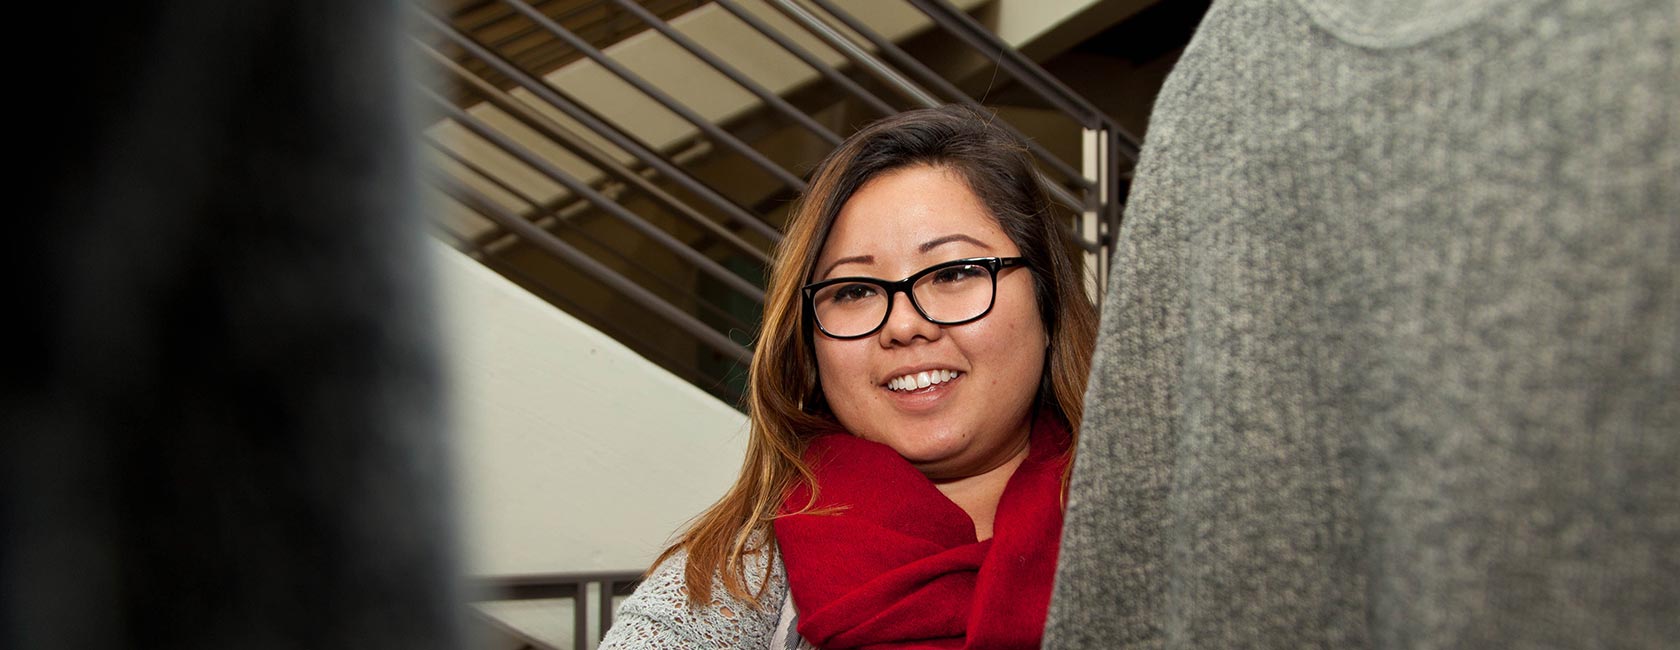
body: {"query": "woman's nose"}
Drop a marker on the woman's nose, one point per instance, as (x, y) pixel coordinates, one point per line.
(905, 324)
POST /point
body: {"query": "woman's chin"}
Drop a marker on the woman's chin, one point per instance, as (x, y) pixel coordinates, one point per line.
(926, 453)
(937, 463)
(945, 454)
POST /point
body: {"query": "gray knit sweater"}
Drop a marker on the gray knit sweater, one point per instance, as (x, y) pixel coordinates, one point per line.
(1390, 355)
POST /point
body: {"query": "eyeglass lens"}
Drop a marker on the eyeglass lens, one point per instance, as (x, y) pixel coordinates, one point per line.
(952, 294)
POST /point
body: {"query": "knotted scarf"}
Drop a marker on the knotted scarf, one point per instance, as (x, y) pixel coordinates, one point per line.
(900, 565)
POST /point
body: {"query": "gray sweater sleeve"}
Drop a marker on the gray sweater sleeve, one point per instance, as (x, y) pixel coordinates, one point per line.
(658, 616)
(1391, 357)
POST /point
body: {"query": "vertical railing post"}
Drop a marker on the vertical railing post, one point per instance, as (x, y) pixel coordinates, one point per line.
(1091, 143)
(580, 616)
(608, 586)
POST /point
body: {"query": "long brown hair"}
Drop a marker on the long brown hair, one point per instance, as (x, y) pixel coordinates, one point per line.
(784, 400)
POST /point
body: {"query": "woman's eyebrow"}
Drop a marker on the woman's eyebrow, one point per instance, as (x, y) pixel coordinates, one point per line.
(935, 243)
(925, 247)
(855, 259)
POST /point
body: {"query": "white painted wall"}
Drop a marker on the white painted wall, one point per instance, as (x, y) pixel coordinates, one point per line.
(575, 453)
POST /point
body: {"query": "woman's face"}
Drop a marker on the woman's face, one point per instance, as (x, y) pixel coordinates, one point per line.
(899, 223)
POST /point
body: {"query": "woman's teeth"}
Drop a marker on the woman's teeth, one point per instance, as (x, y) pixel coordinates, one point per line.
(922, 379)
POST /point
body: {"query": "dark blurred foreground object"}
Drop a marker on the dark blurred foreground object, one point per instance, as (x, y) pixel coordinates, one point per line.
(221, 420)
(1392, 358)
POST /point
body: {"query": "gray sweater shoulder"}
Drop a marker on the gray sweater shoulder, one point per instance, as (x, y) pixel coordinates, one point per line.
(658, 615)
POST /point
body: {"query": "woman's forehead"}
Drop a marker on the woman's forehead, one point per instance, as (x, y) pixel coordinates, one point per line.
(916, 212)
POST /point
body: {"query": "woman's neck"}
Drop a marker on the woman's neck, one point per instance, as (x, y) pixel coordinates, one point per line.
(978, 495)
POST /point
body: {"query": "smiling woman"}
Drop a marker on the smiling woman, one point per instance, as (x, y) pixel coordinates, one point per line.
(968, 433)
(915, 398)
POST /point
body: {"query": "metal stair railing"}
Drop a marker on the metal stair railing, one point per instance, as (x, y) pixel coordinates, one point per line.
(534, 175)
(576, 587)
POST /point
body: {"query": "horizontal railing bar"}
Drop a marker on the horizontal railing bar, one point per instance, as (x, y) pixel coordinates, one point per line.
(627, 260)
(823, 68)
(604, 29)
(859, 56)
(455, 240)
(708, 307)
(772, 99)
(598, 24)
(528, 29)
(536, 592)
(509, 14)
(828, 34)
(897, 55)
(1073, 233)
(1023, 70)
(497, 239)
(556, 578)
(705, 264)
(541, 210)
(682, 368)
(593, 155)
(1061, 194)
(629, 143)
(1086, 115)
(559, 248)
(659, 96)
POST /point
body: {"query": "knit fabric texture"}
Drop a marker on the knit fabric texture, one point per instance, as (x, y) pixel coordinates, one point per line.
(889, 562)
(1389, 353)
(658, 616)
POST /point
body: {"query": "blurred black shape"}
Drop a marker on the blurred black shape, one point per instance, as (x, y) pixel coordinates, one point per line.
(222, 424)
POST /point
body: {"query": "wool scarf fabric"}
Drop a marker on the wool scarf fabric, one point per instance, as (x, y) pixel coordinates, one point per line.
(899, 566)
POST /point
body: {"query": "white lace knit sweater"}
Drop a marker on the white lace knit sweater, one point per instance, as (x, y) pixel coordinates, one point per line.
(657, 616)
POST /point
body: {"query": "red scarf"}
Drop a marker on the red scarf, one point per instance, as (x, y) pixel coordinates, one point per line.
(900, 567)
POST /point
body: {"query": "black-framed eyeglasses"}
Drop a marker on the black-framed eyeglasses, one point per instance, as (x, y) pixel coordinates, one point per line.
(949, 293)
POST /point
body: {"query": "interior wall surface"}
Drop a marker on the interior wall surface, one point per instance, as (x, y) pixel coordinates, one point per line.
(575, 453)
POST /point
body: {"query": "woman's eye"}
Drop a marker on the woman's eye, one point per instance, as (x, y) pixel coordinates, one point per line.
(957, 274)
(853, 293)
